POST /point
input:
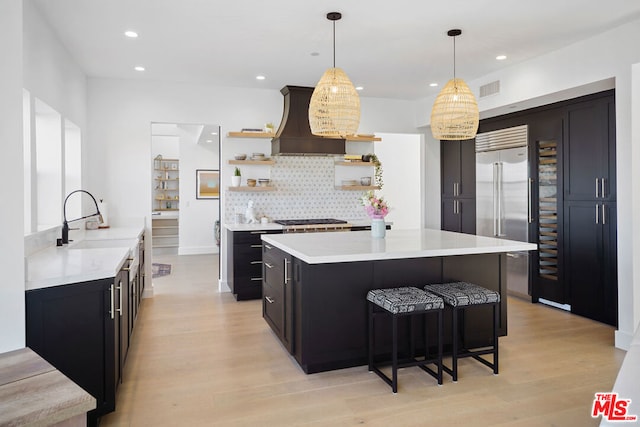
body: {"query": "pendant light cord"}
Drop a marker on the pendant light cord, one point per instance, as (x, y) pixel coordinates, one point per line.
(454, 58)
(334, 44)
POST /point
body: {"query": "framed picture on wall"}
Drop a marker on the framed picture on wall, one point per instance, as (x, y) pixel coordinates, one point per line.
(207, 184)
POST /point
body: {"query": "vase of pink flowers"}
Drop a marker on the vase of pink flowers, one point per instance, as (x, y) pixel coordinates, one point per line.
(376, 208)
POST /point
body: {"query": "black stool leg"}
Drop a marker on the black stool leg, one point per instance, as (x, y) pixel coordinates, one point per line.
(454, 352)
(394, 356)
(496, 320)
(440, 347)
(371, 336)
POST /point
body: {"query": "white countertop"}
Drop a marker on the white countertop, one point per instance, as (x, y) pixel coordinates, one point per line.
(81, 260)
(319, 248)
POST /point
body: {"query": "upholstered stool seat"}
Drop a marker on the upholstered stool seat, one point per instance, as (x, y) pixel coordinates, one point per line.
(460, 295)
(401, 302)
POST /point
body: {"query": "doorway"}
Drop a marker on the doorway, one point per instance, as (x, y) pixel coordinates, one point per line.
(185, 219)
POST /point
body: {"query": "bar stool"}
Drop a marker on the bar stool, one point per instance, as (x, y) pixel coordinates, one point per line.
(405, 302)
(459, 296)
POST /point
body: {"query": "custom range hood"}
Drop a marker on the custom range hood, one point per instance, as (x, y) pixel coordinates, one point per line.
(294, 135)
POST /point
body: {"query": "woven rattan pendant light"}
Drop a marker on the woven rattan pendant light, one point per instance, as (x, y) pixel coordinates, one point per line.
(455, 115)
(334, 109)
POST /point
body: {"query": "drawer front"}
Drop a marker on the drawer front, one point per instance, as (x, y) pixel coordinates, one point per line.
(251, 236)
(273, 271)
(273, 307)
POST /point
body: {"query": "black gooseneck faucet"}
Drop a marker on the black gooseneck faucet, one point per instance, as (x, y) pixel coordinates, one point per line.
(65, 223)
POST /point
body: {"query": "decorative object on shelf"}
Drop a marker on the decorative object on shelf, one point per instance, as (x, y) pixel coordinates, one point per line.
(240, 156)
(376, 208)
(371, 157)
(365, 180)
(250, 213)
(334, 109)
(269, 128)
(208, 184)
(455, 115)
(251, 182)
(236, 178)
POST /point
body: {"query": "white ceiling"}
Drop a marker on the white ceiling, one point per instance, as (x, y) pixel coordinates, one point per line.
(394, 49)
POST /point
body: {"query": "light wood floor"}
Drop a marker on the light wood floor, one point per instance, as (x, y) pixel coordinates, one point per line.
(199, 358)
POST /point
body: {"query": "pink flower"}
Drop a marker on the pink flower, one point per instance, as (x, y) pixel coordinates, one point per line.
(375, 207)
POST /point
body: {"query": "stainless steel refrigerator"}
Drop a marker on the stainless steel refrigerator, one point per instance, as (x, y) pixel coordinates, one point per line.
(503, 197)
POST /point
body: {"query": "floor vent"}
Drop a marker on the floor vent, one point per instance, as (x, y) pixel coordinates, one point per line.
(490, 89)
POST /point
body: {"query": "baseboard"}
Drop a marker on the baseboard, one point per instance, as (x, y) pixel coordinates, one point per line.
(223, 286)
(199, 250)
(623, 340)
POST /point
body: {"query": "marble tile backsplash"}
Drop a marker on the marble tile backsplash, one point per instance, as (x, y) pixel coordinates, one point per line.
(305, 188)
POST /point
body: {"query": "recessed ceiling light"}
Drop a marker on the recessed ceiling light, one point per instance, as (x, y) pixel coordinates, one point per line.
(214, 133)
(209, 140)
(315, 54)
(139, 68)
(260, 77)
(131, 34)
(433, 84)
(501, 57)
(359, 88)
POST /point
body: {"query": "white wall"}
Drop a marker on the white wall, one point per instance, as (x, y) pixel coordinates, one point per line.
(590, 63)
(12, 330)
(401, 158)
(197, 216)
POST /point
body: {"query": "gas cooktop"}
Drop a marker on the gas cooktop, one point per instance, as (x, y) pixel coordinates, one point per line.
(316, 221)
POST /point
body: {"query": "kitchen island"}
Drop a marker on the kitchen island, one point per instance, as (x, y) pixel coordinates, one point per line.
(315, 286)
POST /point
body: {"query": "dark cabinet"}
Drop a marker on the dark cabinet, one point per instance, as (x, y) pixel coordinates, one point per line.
(277, 293)
(589, 151)
(590, 259)
(459, 215)
(458, 168)
(458, 178)
(79, 329)
(246, 279)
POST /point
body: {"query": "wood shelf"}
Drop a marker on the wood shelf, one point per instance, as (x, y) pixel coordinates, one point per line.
(167, 209)
(250, 135)
(357, 187)
(252, 162)
(361, 138)
(256, 189)
(356, 163)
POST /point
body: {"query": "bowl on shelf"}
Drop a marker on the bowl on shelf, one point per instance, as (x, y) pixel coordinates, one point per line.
(240, 156)
(257, 156)
(365, 180)
(263, 182)
(251, 182)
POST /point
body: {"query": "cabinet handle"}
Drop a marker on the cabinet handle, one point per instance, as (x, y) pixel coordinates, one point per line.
(597, 187)
(267, 246)
(111, 291)
(256, 246)
(258, 232)
(597, 214)
(268, 265)
(256, 262)
(602, 181)
(286, 275)
(604, 218)
(529, 200)
(255, 279)
(119, 287)
(270, 300)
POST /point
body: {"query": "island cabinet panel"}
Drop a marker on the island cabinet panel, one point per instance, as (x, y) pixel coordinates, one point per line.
(330, 309)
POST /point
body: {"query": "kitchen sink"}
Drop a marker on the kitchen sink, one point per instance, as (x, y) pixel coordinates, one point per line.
(105, 243)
